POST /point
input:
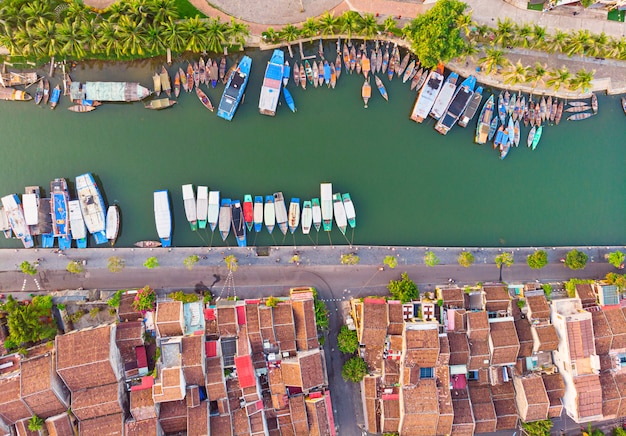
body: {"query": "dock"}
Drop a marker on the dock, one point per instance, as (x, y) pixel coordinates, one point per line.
(302, 56)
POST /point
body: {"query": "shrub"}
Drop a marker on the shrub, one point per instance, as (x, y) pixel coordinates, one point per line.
(145, 299)
(183, 297)
(616, 259)
(321, 315)
(35, 423)
(538, 259)
(114, 301)
(521, 303)
(75, 267)
(349, 259)
(61, 306)
(404, 289)
(115, 264)
(576, 259)
(430, 259)
(28, 268)
(570, 286)
(390, 261)
(151, 263)
(354, 369)
(547, 289)
(94, 312)
(347, 341)
(190, 261)
(272, 301)
(504, 259)
(465, 259)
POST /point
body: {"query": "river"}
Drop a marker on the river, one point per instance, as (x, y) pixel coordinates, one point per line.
(410, 185)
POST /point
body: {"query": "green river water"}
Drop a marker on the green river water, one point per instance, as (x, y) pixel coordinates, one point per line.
(409, 184)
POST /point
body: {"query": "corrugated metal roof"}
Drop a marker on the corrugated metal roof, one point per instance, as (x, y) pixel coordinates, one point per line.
(245, 371)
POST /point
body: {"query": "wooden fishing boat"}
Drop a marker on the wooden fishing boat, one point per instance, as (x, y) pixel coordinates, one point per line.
(373, 61)
(46, 91)
(359, 62)
(160, 103)
(527, 110)
(338, 66)
(166, 84)
(511, 131)
(202, 206)
(416, 78)
(576, 109)
(366, 92)
(196, 74)
(257, 213)
(349, 208)
(484, 121)
(320, 49)
(577, 103)
(531, 136)
(493, 127)
(316, 72)
(396, 58)
(309, 71)
(183, 79)
(248, 211)
(39, 92)
(391, 69)
(340, 213)
(222, 70)
(202, 70)
(81, 108)
(293, 216)
(421, 80)
(522, 108)
(516, 133)
(225, 218)
(516, 108)
(237, 223)
(559, 113)
(507, 100)
(410, 69)
(55, 96)
(555, 108)
(501, 108)
(594, 103)
(538, 114)
(147, 244)
(579, 116)
(352, 59)
(542, 109)
(381, 88)
(504, 150)
(549, 108)
(333, 76)
(303, 76)
(189, 77)
(366, 65)
(500, 136)
(213, 73)
(177, 84)
(321, 76)
(204, 99)
(385, 64)
(156, 80)
(537, 137)
(67, 84)
(623, 100)
(346, 57)
(296, 74)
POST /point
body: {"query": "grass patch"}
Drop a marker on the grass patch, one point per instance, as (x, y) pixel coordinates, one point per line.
(535, 7)
(187, 10)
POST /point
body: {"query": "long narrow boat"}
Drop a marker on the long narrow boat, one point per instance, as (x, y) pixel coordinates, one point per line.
(445, 96)
(504, 149)
(559, 113)
(381, 87)
(366, 65)
(225, 218)
(59, 204)
(352, 59)
(189, 202)
(346, 57)
(493, 127)
(281, 212)
(327, 74)
(113, 223)
(156, 81)
(537, 137)
(214, 209)
(516, 133)
(340, 213)
(286, 73)
(45, 223)
(81, 108)
(189, 76)
(579, 116)
(5, 227)
(623, 101)
(549, 108)
(77, 224)
(248, 211)
(531, 136)
(163, 217)
(303, 76)
(235, 87)
(366, 92)
(196, 74)
(316, 212)
(484, 121)
(39, 92)
(160, 103)
(30, 205)
(46, 91)
(542, 108)
(177, 84)
(204, 99)
(555, 109)
(272, 84)
(307, 217)
(15, 216)
(501, 108)
(183, 79)
(576, 109)
(237, 221)
(426, 97)
(408, 73)
(316, 73)
(326, 194)
(150, 244)
(456, 106)
(416, 78)
(385, 65)
(349, 208)
(296, 74)
(222, 69)
(214, 73)
(293, 216)
(472, 107)
(289, 100)
(202, 206)
(403, 65)
(269, 213)
(202, 70)
(258, 213)
(500, 137)
(577, 103)
(511, 130)
(54, 97)
(92, 206)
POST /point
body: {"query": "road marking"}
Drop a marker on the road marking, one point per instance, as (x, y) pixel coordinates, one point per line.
(24, 285)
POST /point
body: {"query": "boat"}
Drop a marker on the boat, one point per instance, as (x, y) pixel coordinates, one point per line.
(379, 60)
(381, 87)
(248, 211)
(326, 194)
(77, 224)
(426, 97)
(45, 223)
(366, 92)
(183, 79)
(235, 87)
(59, 207)
(281, 212)
(307, 217)
(506, 101)
(456, 106)
(202, 206)
(366, 65)
(316, 212)
(385, 64)
(289, 100)
(416, 78)
(303, 76)
(549, 109)
(403, 66)
(258, 213)
(272, 84)
(39, 92)
(445, 96)
(340, 213)
(352, 59)
(409, 71)
(559, 113)
(500, 137)
(511, 106)
(30, 205)
(156, 80)
(225, 218)
(493, 127)
(327, 74)
(554, 110)
(579, 116)
(337, 68)
(112, 223)
(537, 137)
(237, 221)
(196, 74)
(222, 69)
(517, 107)
(189, 202)
(114, 91)
(577, 103)
(13, 78)
(5, 227)
(214, 209)
(202, 70)
(349, 208)
(543, 108)
(293, 216)
(516, 133)
(80, 108)
(149, 244)
(391, 69)
(538, 119)
(296, 74)
(204, 99)
(484, 121)
(531, 136)
(160, 103)
(269, 213)
(162, 220)
(472, 107)
(189, 76)
(15, 216)
(576, 109)
(46, 91)
(316, 72)
(92, 206)
(511, 130)
(286, 73)
(177, 84)
(55, 97)
(214, 73)
(346, 57)
(504, 149)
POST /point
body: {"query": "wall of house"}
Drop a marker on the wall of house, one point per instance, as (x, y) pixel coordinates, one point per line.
(114, 355)
(58, 386)
(520, 398)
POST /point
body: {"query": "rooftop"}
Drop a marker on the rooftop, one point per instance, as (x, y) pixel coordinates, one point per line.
(169, 318)
(110, 425)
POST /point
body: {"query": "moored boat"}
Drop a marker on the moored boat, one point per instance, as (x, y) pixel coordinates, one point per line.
(365, 65)
(537, 137)
(577, 103)
(516, 133)
(15, 216)
(511, 130)
(293, 216)
(472, 107)
(408, 73)
(456, 106)
(445, 96)
(349, 208)
(272, 84)
(337, 68)
(531, 136)
(340, 213)
(307, 217)
(166, 84)
(504, 149)
(162, 219)
(46, 91)
(202, 206)
(500, 137)
(177, 84)
(493, 126)
(576, 109)
(214, 209)
(149, 244)
(189, 77)
(30, 205)
(248, 211)
(225, 218)
(426, 97)
(484, 121)
(258, 213)
(579, 116)
(183, 79)
(296, 74)
(196, 74)
(237, 221)
(204, 99)
(269, 214)
(222, 69)
(326, 195)
(156, 81)
(381, 87)
(81, 108)
(54, 97)
(501, 108)
(286, 73)
(416, 78)
(234, 90)
(45, 223)
(77, 224)
(160, 103)
(559, 113)
(5, 227)
(281, 212)
(327, 73)
(92, 206)
(112, 223)
(316, 73)
(289, 100)
(316, 212)
(214, 72)
(189, 202)
(366, 92)
(303, 76)
(39, 92)
(59, 205)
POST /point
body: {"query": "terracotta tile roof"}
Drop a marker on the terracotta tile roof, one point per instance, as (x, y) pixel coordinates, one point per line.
(482, 408)
(497, 298)
(601, 332)
(617, 323)
(169, 318)
(318, 419)
(524, 334)
(396, 343)
(395, 317)
(98, 401)
(193, 359)
(12, 408)
(173, 416)
(129, 335)
(142, 404)
(373, 323)
(83, 353)
(531, 393)
(460, 320)
(21, 428)
(215, 386)
(390, 416)
(286, 337)
(304, 319)
(554, 383)
(452, 297)
(391, 372)
(267, 326)
(459, 348)
(38, 380)
(611, 397)
(298, 415)
(502, 390)
(252, 317)
(373, 357)
(463, 415)
(504, 340)
(169, 389)
(421, 346)
(227, 318)
(548, 338)
(60, 425)
(586, 295)
(589, 395)
(312, 367)
(478, 325)
(479, 354)
(125, 311)
(506, 413)
(444, 350)
(220, 425)
(370, 385)
(580, 338)
(421, 408)
(538, 307)
(292, 375)
(110, 425)
(620, 382)
(198, 420)
(283, 314)
(140, 428)
(446, 410)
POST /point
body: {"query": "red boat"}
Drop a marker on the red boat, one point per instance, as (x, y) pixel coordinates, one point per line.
(248, 211)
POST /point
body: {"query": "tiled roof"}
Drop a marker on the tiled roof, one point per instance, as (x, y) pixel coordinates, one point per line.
(215, 379)
(482, 408)
(391, 371)
(140, 428)
(580, 338)
(252, 317)
(125, 311)
(304, 319)
(524, 334)
(298, 415)
(221, 425)
(533, 394)
(173, 416)
(12, 408)
(479, 354)
(318, 419)
(395, 316)
(286, 337)
(506, 413)
(586, 295)
(452, 297)
(170, 387)
(478, 325)
(497, 298)
(128, 335)
(311, 365)
(589, 395)
(193, 359)
(241, 425)
(459, 348)
(373, 322)
(538, 307)
(142, 404)
(390, 416)
(370, 386)
(198, 420)
(421, 408)
(267, 326)
(601, 332)
(463, 414)
(548, 338)
(617, 323)
(37, 380)
(110, 425)
(98, 401)
(505, 343)
(21, 428)
(169, 318)
(611, 397)
(421, 346)
(60, 425)
(227, 318)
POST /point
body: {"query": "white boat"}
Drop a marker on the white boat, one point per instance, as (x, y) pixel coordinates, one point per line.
(202, 206)
(77, 224)
(257, 213)
(163, 217)
(294, 214)
(317, 214)
(340, 213)
(92, 206)
(113, 223)
(426, 97)
(326, 194)
(30, 203)
(5, 227)
(349, 207)
(269, 213)
(189, 201)
(281, 212)
(272, 84)
(15, 216)
(307, 217)
(214, 209)
(225, 218)
(444, 97)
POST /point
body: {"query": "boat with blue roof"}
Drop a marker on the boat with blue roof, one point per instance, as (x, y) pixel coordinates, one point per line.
(457, 105)
(92, 206)
(59, 209)
(272, 84)
(235, 88)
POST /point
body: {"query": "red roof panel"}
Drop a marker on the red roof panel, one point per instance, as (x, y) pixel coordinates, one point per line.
(241, 315)
(210, 347)
(245, 371)
(142, 359)
(209, 314)
(146, 383)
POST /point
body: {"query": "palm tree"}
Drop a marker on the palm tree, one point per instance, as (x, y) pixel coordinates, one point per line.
(519, 74)
(155, 39)
(21, 41)
(289, 33)
(270, 35)
(107, 38)
(369, 26)
(493, 60)
(524, 36)
(558, 77)
(582, 80)
(350, 23)
(539, 36)
(163, 11)
(505, 32)
(115, 11)
(309, 28)
(328, 23)
(216, 35)
(89, 34)
(579, 43)
(138, 10)
(75, 11)
(33, 11)
(464, 23)
(538, 74)
(557, 41)
(72, 43)
(390, 25)
(237, 33)
(10, 15)
(470, 49)
(617, 48)
(194, 31)
(131, 35)
(482, 30)
(599, 46)
(46, 38)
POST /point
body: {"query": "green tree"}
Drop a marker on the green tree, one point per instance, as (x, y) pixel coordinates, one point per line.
(431, 259)
(216, 35)
(35, 423)
(238, 33)
(190, 261)
(183, 297)
(28, 268)
(504, 259)
(578, 43)
(464, 23)
(493, 60)
(232, 263)
(347, 341)
(115, 300)
(465, 259)
(151, 262)
(350, 23)
(93, 313)
(547, 289)
(618, 431)
(538, 259)
(194, 31)
(539, 36)
(115, 264)
(505, 33)
(558, 77)
(524, 36)
(272, 301)
(519, 74)
(309, 28)
(28, 323)
(404, 289)
(390, 26)
(75, 267)
(576, 259)
(538, 74)
(354, 369)
(537, 428)
(270, 35)
(582, 80)
(321, 314)
(390, 261)
(132, 36)
(349, 259)
(145, 299)
(369, 26)
(570, 285)
(616, 258)
(328, 23)
(557, 41)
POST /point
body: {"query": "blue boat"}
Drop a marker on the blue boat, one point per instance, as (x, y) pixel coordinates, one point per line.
(235, 87)
(238, 223)
(258, 213)
(54, 98)
(511, 130)
(59, 204)
(286, 73)
(457, 105)
(492, 128)
(289, 100)
(501, 108)
(272, 84)
(92, 206)
(326, 73)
